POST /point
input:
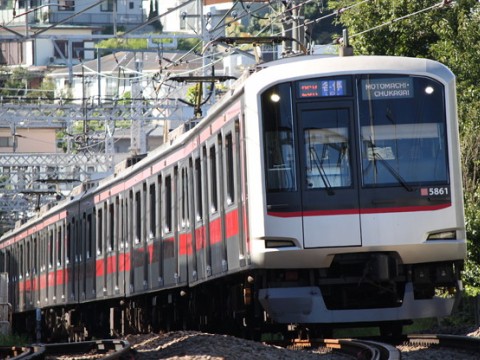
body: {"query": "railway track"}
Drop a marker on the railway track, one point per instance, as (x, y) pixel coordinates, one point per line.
(209, 345)
(359, 349)
(469, 343)
(99, 349)
(384, 348)
(21, 352)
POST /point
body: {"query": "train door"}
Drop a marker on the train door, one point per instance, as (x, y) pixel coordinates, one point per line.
(202, 250)
(329, 195)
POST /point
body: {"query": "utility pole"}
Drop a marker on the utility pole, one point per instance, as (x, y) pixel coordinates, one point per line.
(138, 135)
(293, 26)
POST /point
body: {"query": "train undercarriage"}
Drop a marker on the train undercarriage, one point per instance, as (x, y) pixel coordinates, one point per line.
(233, 305)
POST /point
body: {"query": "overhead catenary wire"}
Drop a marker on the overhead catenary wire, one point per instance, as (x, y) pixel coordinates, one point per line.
(440, 4)
(165, 68)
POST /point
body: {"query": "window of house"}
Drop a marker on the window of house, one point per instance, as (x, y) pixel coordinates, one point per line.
(6, 141)
(61, 49)
(3, 4)
(107, 5)
(66, 5)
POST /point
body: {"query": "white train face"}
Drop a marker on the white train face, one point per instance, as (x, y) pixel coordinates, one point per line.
(349, 154)
(362, 190)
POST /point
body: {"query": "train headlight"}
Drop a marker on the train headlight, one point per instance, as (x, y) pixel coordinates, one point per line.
(275, 97)
(443, 235)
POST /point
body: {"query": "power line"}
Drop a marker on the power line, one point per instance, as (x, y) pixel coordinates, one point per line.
(441, 4)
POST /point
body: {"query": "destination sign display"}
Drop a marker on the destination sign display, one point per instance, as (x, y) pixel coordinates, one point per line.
(390, 88)
(322, 88)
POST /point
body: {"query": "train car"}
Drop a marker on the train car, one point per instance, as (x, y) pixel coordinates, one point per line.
(320, 192)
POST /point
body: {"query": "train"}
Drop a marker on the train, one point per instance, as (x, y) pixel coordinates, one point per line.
(320, 192)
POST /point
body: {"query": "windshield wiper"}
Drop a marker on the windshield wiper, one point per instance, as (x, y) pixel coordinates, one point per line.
(321, 171)
(391, 170)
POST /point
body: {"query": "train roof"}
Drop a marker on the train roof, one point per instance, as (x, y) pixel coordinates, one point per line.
(261, 76)
(319, 65)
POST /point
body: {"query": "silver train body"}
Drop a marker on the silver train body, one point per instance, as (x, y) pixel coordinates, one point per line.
(321, 191)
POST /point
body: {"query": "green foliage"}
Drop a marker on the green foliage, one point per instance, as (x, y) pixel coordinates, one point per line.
(14, 82)
(322, 26)
(120, 43)
(110, 29)
(192, 94)
(189, 44)
(13, 340)
(387, 27)
(263, 24)
(459, 47)
(233, 28)
(157, 25)
(451, 35)
(47, 90)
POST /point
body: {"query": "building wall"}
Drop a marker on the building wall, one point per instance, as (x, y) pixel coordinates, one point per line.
(128, 12)
(52, 11)
(31, 140)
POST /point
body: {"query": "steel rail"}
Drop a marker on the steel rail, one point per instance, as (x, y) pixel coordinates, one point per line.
(453, 341)
(108, 349)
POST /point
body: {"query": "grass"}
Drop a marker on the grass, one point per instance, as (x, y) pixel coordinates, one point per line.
(13, 340)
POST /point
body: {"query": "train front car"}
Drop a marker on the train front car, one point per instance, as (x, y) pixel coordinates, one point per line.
(361, 220)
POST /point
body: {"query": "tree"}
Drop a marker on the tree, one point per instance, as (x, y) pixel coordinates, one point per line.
(391, 27)
(459, 49)
(450, 33)
(14, 82)
(157, 25)
(121, 43)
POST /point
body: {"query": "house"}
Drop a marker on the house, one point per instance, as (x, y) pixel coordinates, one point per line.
(130, 84)
(51, 49)
(97, 13)
(41, 32)
(113, 77)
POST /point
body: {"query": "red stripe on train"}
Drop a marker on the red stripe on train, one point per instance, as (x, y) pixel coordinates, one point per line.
(358, 211)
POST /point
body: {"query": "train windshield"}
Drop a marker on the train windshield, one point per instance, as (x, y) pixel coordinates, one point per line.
(279, 139)
(384, 130)
(402, 131)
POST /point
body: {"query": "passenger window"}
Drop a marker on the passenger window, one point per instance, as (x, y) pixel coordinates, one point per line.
(153, 210)
(213, 180)
(168, 204)
(198, 190)
(138, 217)
(184, 201)
(112, 227)
(100, 232)
(230, 188)
(59, 245)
